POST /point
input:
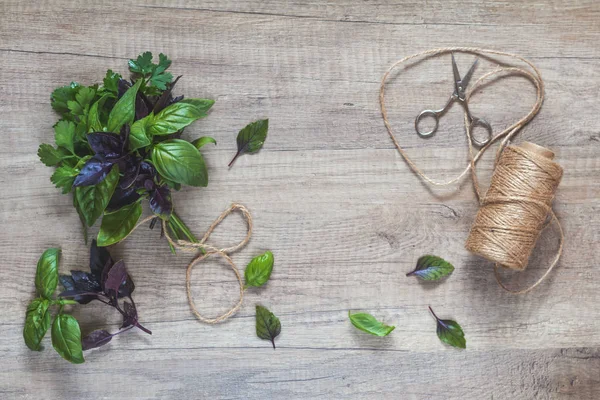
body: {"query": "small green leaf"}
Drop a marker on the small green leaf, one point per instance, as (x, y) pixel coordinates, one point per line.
(259, 269)
(93, 119)
(118, 224)
(91, 201)
(46, 276)
(138, 135)
(367, 323)
(111, 83)
(174, 118)
(179, 161)
(268, 326)
(37, 322)
(203, 105)
(142, 65)
(450, 332)
(201, 141)
(64, 134)
(251, 138)
(51, 156)
(124, 110)
(61, 96)
(63, 178)
(432, 268)
(66, 338)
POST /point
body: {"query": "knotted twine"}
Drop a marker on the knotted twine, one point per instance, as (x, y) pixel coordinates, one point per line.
(207, 250)
(537, 178)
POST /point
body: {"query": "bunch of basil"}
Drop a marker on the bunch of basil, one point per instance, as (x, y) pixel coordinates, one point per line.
(120, 142)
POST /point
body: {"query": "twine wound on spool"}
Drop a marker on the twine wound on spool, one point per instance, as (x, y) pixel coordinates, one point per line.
(207, 251)
(516, 207)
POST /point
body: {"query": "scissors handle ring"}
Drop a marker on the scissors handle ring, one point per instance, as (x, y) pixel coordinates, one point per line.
(475, 122)
(427, 113)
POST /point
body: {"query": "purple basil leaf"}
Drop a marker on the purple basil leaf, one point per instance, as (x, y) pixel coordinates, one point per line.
(80, 296)
(122, 197)
(141, 108)
(123, 86)
(93, 172)
(68, 284)
(165, 98)
(149, 185)
(95, 339)
(104, 276)
(147, 169)
(130, 176)
(105, 144)
(130, 316)
(176, 99)
(127, 287)
(124, 137)
(115, 277)
(85, 281)
(160, 202)
(99, 257)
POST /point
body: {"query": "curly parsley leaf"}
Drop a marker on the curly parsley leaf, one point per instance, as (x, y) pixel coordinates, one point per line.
(111, 83)
(51, 156)
(61, 96)
(63, 178)
(64, 134)
(154, 73)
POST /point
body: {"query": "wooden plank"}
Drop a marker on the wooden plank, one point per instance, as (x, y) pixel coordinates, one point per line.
(330, 196)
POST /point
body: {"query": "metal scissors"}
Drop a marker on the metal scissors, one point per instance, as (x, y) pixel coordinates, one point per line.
(460, 86)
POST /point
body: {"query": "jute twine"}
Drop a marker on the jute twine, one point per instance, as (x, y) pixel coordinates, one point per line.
(515, 209)
(208, 250)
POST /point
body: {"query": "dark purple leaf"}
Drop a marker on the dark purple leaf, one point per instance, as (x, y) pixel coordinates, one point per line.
(69, 284)
(85, 281)
(124, 137)
(160, 202)
(93, 172)
(130, 176)
(105, 144)
(130, 316)
(147, 169)
(116, 276)
(127, 287)
(165, 98)
(122, 197)
(141, 108)
(176, 99)
(123, 86)
(99, 257)
(95, 339)
(149, 185)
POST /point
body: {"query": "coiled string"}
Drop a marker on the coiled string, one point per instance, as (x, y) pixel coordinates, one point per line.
(533, 74)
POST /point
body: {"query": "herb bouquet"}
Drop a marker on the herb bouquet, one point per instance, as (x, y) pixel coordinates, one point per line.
(119, 142)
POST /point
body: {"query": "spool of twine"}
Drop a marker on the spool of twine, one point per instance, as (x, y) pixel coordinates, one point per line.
(516, 206)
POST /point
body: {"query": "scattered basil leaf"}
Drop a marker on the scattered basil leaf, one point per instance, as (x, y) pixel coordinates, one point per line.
(118, 224)
(201, 141)
(46, 275)
(174, 118)
(251, 138)
(450, 332)
(124, 110)
(37, 322)
(179, 161)
(91, 201)
(95, 339)
(66, 338)
(432, 268)
(138, 135)
(268, 326)
(367, 323)
(259, 270)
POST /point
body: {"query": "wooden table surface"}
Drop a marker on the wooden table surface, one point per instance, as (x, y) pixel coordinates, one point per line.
(329, 194)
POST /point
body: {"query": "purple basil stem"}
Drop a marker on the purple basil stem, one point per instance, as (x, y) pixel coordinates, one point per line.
(96, 339)
(93, 172)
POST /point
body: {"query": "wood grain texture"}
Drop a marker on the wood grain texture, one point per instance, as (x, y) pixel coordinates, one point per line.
(329, 194)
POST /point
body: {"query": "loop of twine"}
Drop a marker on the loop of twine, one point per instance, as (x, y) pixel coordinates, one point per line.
(506, 135)
(192, 247)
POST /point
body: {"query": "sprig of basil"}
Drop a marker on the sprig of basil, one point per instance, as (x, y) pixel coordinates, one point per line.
(118, 224)
(138, 134)
(432, 268)
(174, 118)
(66, 338)
(367, 323)
(124, 110)
(251, 138)
(179, 161)
(450, 332)
(268, 326)
(91, 201)
(37, 322)
(46, 275)
(259, 270)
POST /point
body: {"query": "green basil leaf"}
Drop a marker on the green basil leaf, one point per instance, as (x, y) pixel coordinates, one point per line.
(367, 323)
(51, 156)
(259, 270)
(174, 118)
(63, 178)
(66, 338)
(118, 224)
(92, 200)
(46, 275)
(203, 105)
(93, 119)
(81, 216)
(179, 161)
(64, 134)
(37, 322)
(432, 268)
(138, 134)
(124, 110)
(268, 326)
(201, 141)
(251, 138)
(450, 332)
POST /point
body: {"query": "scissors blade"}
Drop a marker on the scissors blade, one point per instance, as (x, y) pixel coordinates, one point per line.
(456, 76)
(467, 78)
